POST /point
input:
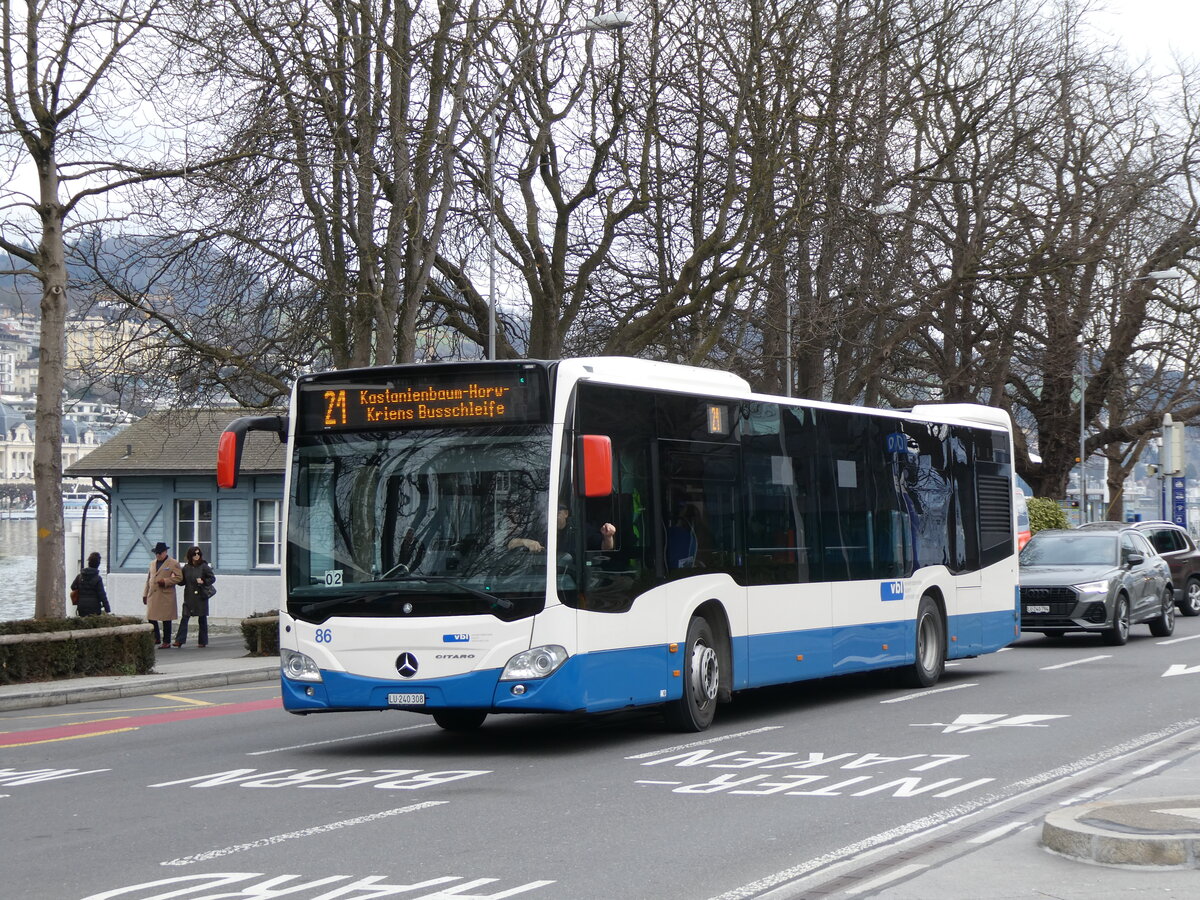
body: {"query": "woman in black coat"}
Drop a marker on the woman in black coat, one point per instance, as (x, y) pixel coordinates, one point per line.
(92, 598)
(198, 581)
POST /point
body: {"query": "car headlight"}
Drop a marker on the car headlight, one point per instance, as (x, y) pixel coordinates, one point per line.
(298, 667)
(1093, 587)
(536, 663)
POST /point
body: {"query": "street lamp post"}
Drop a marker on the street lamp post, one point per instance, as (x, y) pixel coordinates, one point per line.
(1082, 426)
(614, 21)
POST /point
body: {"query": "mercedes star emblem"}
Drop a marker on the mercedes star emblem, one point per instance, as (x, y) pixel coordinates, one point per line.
(406, 665)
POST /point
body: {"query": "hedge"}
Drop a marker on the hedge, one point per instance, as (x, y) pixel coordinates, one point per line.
(261, 633)
(39, 656)
(1045, 513)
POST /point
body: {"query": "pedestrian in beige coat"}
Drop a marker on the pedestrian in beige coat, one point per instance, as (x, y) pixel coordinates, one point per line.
(159, 595)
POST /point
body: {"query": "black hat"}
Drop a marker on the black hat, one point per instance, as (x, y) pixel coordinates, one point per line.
(160, 547)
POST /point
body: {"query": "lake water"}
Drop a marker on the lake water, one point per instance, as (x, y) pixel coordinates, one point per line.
(18, 561)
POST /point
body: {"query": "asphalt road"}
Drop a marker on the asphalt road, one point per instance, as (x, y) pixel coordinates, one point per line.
(219, 793)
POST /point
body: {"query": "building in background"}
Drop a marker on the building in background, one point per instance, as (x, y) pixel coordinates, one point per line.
(159, 476)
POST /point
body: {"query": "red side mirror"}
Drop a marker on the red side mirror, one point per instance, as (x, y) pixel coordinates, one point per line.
(229, 458)
(595, 465)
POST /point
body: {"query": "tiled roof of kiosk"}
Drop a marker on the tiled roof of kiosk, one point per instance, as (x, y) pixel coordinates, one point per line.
(181, 441)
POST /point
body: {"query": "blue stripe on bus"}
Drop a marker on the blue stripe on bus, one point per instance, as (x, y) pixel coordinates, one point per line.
(616, 679)
(594, 682)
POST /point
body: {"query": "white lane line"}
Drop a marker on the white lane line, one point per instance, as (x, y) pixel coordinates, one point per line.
(303, 833)
(1076, 662)
(716, 740)
(1190, 637)
(1146, 770)
(999, 832)
(353, 737)
(1086, 795)
(894, 875)
(957, 687)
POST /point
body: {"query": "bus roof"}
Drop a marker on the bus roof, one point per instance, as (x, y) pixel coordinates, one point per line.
(646, 372)
(694, 380)
(635, 372)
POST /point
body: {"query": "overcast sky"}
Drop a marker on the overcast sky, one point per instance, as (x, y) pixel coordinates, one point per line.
(1153, 27)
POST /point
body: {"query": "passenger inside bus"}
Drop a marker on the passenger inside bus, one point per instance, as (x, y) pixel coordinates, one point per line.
(682, 539)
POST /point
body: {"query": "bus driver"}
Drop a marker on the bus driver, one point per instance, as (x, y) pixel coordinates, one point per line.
(602, 538)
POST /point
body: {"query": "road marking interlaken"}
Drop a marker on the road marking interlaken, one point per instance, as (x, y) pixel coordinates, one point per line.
(130, 723)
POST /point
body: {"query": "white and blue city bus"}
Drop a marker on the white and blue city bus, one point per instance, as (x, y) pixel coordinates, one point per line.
(589, 535)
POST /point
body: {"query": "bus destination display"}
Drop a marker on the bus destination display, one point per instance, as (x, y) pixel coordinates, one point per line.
(446, 398)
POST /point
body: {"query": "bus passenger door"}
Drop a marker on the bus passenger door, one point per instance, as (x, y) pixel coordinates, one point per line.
(699, 530)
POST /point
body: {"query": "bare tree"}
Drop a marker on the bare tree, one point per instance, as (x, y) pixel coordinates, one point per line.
(348, 113)
(65, 66)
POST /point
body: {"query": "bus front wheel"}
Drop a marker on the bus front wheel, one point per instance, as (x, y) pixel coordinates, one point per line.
(930, 660)
(701, 674)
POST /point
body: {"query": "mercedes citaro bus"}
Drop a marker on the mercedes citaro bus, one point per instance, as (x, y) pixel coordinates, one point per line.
(589, 535)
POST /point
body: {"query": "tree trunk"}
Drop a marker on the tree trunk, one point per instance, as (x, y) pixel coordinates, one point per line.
(47, 452)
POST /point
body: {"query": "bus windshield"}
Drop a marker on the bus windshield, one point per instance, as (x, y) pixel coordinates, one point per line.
(419, 523)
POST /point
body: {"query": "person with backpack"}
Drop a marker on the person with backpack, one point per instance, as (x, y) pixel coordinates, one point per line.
(92, 598)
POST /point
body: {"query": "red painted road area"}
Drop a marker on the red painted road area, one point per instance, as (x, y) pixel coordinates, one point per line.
(128, 723)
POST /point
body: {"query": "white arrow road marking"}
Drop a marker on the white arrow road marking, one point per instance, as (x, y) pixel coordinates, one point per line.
(1193, 813)
(1180, 669)
(984, 721)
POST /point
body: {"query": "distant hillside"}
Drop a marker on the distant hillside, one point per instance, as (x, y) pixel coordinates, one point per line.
(120, 257)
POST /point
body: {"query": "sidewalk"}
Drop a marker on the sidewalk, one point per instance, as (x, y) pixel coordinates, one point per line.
(223, 661)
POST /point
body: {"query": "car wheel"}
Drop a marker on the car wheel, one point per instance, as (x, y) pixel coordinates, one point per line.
(1190, 604)
(694, 711)
(930, 660)
(1118, 633)
(1163, 625)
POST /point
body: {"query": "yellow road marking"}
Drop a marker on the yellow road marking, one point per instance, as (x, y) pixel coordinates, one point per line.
(179, 699)
(88, 722)
(81, 712)
(73, 737)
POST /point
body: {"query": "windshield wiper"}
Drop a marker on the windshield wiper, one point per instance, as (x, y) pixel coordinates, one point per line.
(495, 601)
(334, 601)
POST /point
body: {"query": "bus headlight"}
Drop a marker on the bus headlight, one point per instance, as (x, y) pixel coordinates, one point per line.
(536, 663)
(298, 667)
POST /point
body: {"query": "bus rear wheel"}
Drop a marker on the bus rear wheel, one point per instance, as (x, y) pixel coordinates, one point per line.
(930, 660)
(459, 719)
(694, 711)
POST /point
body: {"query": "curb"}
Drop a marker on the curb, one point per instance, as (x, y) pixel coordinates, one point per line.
(61, 694)
(1141, 833)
